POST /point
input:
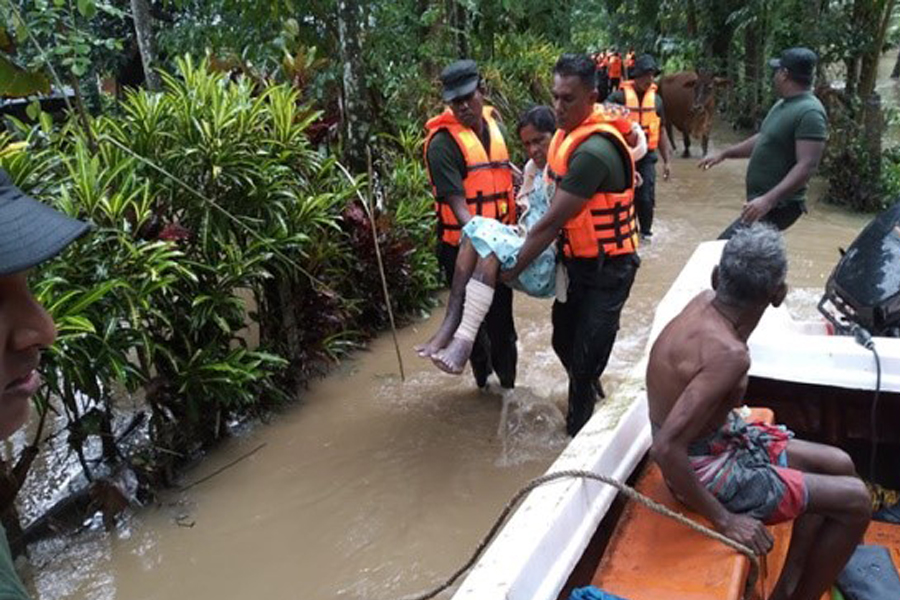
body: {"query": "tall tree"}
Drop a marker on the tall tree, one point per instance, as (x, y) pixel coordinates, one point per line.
(143, 29)
(356, 109)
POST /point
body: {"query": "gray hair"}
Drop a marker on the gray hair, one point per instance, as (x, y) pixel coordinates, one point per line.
(752, 267)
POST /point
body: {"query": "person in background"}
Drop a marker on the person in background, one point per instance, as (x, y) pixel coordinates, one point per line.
(645, 106)
(592, 213)
(602, 61)
(30, 233)
(743, 475)
(471, 174)
(785, 154)
(615, 71)
(629, 63)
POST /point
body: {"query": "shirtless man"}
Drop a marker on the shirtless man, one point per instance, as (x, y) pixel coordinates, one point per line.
(741, 476)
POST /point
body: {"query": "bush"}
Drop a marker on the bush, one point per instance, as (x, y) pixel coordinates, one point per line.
(212, 212)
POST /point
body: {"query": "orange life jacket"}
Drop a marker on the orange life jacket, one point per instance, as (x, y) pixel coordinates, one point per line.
(606, 223)
(488, 181)
(644, 113)
(615, 67)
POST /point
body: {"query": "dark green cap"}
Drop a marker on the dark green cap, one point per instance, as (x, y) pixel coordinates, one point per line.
(459, 79)
(30, 231)
(642, 65)
(800, 63)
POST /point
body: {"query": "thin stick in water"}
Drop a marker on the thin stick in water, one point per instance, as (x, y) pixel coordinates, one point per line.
(223, 468)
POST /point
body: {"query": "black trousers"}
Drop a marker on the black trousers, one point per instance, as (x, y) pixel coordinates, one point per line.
(586, 325)
(495, 344)
(781, 217)
(645, 195)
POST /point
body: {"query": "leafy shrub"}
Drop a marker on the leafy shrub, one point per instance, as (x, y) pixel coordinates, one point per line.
(211, 211)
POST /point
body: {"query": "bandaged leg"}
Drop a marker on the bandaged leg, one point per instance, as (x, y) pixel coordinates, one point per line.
(478, 302)
(466, 260)
(479, 296)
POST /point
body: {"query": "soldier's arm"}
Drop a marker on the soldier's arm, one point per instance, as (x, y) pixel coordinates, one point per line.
(742, 150)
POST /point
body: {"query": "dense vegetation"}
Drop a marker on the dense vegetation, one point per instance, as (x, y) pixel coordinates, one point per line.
(232, 256)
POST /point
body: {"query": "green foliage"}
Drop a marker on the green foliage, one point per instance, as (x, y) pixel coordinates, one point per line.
(519, 75)
(208, 204)
(17, 82)
(73, 37)
(890, 172)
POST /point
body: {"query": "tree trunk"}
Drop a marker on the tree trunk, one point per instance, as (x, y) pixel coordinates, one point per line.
(852, 65)
(691, 19)
(752, 74)
(83, 114)
(881, 15)
(143, 28)
(461, 29)
(895, 72)
(873, 129)
(357, 117)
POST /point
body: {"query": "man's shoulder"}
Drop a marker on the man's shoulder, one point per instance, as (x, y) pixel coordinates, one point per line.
(617, 97)
(812, 101)
(714, 342)
(442, 144)
(600, 147)
(440, 138)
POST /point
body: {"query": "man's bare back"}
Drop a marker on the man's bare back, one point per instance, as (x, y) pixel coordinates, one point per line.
(695, 340)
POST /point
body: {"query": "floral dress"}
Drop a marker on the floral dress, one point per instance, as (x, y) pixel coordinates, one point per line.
(489, 236)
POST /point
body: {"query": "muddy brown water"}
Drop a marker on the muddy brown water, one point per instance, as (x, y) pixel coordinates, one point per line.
(370, 488)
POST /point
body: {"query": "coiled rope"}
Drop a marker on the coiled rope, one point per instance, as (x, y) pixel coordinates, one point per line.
(625, 489)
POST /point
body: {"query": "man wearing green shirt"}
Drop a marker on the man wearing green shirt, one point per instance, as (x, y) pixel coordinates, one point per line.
(455, 183)
(643, 91)
(786, 151)
(30, 233)
(586, 313)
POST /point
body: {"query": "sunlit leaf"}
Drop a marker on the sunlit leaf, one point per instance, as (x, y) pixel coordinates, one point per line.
(16, 82)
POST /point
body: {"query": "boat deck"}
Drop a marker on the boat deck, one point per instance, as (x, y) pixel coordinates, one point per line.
(653, 557)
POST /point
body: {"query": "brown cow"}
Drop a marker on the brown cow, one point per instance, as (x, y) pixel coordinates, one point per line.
(689, 101)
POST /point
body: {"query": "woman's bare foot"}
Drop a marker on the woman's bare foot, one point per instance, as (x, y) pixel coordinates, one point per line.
(440, 339)
(453, 358)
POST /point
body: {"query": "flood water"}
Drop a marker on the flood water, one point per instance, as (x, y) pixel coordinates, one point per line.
(370, 488)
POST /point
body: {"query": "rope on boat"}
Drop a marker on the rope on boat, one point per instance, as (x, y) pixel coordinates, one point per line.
(625, 489)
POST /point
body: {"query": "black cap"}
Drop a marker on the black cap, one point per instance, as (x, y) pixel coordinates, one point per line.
(642, 65)
(30, 231)
(459, 79)
(800, 63)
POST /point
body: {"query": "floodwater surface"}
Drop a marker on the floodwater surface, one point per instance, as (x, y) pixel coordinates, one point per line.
(371, 488)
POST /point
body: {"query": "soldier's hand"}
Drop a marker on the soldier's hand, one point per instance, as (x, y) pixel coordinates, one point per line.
(755, 210)
(710, 161)
(667, 172)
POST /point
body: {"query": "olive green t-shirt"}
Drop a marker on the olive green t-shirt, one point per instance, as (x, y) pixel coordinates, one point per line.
(446, 162)
(595, 166)
(11, 587)
(800, 117)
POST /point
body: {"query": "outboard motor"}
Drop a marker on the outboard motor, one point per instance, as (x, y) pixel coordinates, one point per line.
(864, 287)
